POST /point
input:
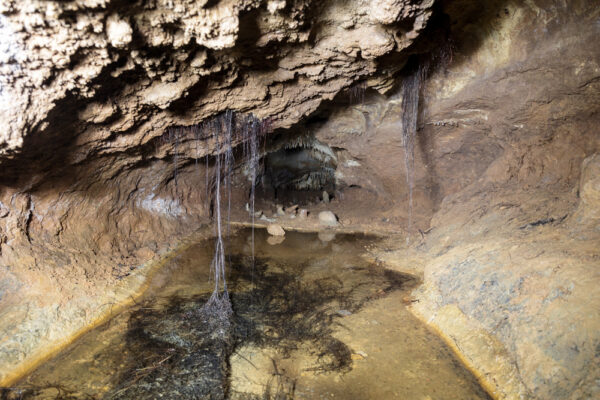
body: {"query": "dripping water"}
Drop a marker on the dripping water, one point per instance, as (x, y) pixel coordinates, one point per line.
(251, 135)
(228, 163)
(411, 88)
(410, 91)
(252, 130)
(218, 307)
(196, 132)
(356, 93)
(176, 154)
(225, 129)
(173, 137)
(206, 182)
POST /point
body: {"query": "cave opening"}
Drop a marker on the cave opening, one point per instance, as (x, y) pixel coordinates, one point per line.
(298, 168)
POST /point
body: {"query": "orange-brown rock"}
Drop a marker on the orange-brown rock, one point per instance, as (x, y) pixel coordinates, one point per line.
(94, 184)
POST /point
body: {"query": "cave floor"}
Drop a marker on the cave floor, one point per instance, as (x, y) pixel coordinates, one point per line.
(313, 318)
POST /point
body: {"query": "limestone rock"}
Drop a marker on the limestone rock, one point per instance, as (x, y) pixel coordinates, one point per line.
(90, 178)
(327, 218)
(3, 210)
(280, 212)
(390, 11)
(589, 191)
(97, 113)
(275, 230)
(162, 94)
(119, 32)
(302, 213)
(187, 39)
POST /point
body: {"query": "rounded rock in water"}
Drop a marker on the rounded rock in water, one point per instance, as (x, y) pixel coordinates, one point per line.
(275, 230)
(328, 218)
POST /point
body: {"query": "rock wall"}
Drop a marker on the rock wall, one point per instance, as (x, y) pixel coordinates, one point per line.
(505, 197)
(511, 138)
(505, 219)
(88, 92)
(135, 68)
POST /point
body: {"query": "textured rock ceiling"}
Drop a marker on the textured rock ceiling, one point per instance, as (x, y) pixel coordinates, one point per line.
(115, 74)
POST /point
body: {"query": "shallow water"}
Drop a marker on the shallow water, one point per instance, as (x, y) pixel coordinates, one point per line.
(312, 320)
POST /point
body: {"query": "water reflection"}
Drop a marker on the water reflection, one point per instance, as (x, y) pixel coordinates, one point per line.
(312, 319)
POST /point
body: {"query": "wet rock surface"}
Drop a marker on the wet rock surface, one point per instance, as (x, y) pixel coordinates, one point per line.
(93, 183)
(505, 227)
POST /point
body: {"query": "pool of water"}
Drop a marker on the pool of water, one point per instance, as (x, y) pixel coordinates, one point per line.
(312, 319)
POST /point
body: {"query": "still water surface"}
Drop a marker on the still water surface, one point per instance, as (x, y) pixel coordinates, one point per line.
(312, 320)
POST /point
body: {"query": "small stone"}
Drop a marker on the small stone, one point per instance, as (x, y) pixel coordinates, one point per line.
(275, 230)
(280, 210)
(199, 60)
(328, 218)
(265, 218)
(344, 313)
(325, 196)
(347, 24)
(302, 213)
